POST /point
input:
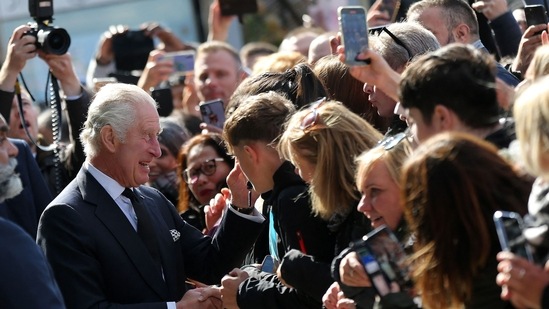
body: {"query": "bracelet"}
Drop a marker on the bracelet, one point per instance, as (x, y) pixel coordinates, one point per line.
(245, 210)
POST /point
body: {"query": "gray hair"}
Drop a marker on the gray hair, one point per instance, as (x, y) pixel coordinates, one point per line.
(172, 135)
(114, 105)
(415, 37)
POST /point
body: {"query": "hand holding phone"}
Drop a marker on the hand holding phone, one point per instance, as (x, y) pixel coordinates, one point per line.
(509, 227)
(385, 261)
(183, 61)
(535, 15)
(354, 32)
(213, 113)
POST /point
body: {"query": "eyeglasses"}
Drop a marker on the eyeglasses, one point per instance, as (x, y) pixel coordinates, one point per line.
(312, 118)
(397, 40)
(207, 168)
(391, 141)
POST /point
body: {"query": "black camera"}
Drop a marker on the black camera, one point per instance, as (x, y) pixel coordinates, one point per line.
(51, 40)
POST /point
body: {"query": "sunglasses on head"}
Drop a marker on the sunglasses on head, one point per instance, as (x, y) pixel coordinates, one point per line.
(312, 118)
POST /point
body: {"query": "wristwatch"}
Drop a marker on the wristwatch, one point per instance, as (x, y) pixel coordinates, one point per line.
(243, 210)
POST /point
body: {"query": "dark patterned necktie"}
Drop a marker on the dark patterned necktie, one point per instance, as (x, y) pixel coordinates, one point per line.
(145, 229)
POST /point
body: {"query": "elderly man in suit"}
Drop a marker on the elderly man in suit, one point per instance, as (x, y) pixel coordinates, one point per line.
(113, 242)
(27, 280)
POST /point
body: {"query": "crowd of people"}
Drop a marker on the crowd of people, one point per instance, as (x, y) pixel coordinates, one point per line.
(127, 199)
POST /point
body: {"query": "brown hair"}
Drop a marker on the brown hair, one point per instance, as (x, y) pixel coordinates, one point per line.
(451, 187)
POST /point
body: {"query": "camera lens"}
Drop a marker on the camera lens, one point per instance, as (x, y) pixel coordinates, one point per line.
(54, 40)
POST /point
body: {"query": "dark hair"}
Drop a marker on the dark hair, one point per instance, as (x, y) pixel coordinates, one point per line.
(343, 87)
(214, 140)
(457, 76)
(451, 187)
(300, 85)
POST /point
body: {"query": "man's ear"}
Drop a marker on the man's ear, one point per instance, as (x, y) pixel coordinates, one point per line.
(251, 152)
(462, 33)
(443, 118)
(108, 138)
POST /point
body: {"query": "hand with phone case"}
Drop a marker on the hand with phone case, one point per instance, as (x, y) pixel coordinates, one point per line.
(509, 227)
(354, 32)
(522, 282)
(528, 44)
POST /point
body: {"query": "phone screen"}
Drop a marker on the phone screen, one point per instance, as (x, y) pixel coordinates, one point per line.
(390, 7)
(183, 61)
(354, 32)
(213, 113)
(509, 227)
(384, 258)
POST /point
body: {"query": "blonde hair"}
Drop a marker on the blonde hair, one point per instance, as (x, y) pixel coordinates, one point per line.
(393, 159)
(331, 144)
(539, 66)
(531, 112)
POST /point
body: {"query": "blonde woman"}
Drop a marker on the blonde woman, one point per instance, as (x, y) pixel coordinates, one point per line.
(323, 141)
(527, 285)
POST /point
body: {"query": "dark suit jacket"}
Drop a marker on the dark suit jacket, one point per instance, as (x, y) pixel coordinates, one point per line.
(25, 209)
(99, 260)
(27, 280)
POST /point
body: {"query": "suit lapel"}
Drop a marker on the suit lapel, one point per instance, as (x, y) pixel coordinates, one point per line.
(108, 212)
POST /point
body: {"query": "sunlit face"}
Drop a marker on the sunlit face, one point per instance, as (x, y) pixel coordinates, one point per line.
(380, 200)
(304, 168)
(133, 157)
(31, 119)
(216, 76)
(432, 20)
(162, 165)
(384, 104)
(204, 187)
(418, 127)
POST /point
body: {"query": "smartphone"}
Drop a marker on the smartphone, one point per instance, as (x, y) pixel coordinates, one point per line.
(385, 261)
(269, 265)
(354, 32)
(509, 227)
(213, 112)
(183, 61)
(535, 15)
(131, 50)
(164, 99)
(237, 7)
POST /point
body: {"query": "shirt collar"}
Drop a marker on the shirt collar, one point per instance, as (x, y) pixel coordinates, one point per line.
(113, 188)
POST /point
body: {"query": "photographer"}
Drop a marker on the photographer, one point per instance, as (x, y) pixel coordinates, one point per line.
(105, 64)
(21, 48)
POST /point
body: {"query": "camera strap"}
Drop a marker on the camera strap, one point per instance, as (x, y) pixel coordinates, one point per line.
(54, 103)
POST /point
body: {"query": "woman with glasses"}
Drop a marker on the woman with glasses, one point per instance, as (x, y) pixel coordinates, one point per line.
(203, 167)
(322, 141)
(378, 180)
